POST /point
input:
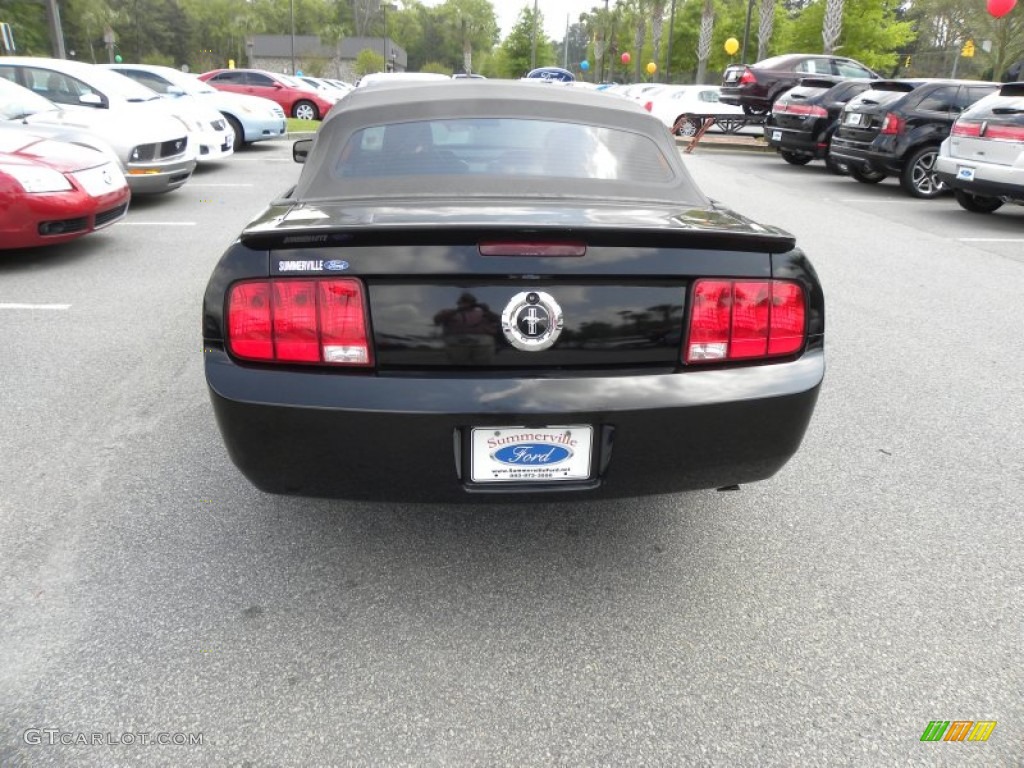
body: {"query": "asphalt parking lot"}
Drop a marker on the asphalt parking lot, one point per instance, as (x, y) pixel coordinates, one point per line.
(824, 617)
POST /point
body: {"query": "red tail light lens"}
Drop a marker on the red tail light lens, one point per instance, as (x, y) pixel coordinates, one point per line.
(967, 128)
(892, 124)
(322, 322)
(745, 320)
(649, 106)
(1005, 132)
(807, 110)
(747, 77)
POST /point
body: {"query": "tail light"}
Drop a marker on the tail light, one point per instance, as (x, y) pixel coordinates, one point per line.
(892, 124)
(985, 129)
(807, 110)
(747, 77)
(745, 320)
(319, 322)
(1004, 132)
(967, 128)
(649, 106)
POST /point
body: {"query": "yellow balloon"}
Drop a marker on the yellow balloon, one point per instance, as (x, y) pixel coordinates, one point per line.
(652, 68)
(732, 45)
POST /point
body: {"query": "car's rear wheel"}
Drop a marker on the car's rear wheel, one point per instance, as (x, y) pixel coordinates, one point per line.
(866, 175)
(977, 203)
(795, 158)
(305, 110)
(687, 126)
(239, 133)
(918, 176)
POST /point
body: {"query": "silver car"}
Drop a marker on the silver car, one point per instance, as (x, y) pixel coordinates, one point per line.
(983, 158)
(152, 144)
(251, 118)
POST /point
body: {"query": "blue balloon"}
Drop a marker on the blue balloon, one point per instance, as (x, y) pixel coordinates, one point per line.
(584, 65)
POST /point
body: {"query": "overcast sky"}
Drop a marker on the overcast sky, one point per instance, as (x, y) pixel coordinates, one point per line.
(553, 11)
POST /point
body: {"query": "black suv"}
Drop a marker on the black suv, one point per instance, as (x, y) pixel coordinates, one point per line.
(754, 87)
(896, 129)
(804, 118)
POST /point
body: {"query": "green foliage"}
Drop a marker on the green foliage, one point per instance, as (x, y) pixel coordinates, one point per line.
(518, 46)
(871, 34)
(368, 61)
(437, 68)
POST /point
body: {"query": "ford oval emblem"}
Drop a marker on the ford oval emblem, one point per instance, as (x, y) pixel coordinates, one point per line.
(336, 265)
(532, 454)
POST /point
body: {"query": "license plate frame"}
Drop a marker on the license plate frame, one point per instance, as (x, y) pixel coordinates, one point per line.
(528, 455)
(776, 135)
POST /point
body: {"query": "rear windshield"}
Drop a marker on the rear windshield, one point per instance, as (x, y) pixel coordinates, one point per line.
(1008, 108)
(502, 147)
(875, 97)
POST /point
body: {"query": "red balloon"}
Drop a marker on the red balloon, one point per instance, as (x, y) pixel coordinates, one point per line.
(626, 57)
(1000, 8)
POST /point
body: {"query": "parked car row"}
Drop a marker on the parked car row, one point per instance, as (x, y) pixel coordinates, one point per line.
(933, 135)
(78, 140)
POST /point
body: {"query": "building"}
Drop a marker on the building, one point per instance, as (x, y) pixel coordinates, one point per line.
(313, 57)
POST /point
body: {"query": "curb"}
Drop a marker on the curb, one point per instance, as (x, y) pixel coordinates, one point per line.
(724, 144)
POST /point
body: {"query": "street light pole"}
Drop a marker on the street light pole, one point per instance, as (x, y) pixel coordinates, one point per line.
(292, 6)
(746, 31)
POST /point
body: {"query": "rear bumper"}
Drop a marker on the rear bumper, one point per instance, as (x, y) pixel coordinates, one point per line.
(405, 438)
(789, 140)
(983, 188)
(861, 155)
(990, 180)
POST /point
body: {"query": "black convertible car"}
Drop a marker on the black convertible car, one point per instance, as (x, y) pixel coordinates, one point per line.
(510, 289)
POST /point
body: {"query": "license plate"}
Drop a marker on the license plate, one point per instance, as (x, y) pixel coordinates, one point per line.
(853, 118)
(102, 180)
(776, 135)
(530, 454)
(964, 173)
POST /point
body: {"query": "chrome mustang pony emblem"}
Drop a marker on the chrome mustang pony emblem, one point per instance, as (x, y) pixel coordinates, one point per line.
(532, 321)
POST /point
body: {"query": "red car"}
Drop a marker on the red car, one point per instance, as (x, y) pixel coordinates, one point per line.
(295, 98)
(52, 191)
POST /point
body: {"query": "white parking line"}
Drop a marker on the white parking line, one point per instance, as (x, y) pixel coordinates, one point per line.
(157, 224)
(990, 239)
(193, 185)
(36, 306)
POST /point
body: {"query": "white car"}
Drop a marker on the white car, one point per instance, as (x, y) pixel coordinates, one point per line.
(251, 118)
(151, 146)
(983, 157)
(212, 134)
(325, 88)
(376, 78)
(687, 106)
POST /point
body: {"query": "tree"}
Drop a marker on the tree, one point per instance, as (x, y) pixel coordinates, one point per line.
(707, 27)
(765, 27)
(832, 26)
(368, 61)
(871, 32)
(517, 48)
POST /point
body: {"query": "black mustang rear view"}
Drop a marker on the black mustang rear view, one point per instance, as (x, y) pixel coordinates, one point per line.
(504, 288)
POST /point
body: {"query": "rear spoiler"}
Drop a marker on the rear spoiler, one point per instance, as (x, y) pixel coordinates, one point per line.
(819, 82)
